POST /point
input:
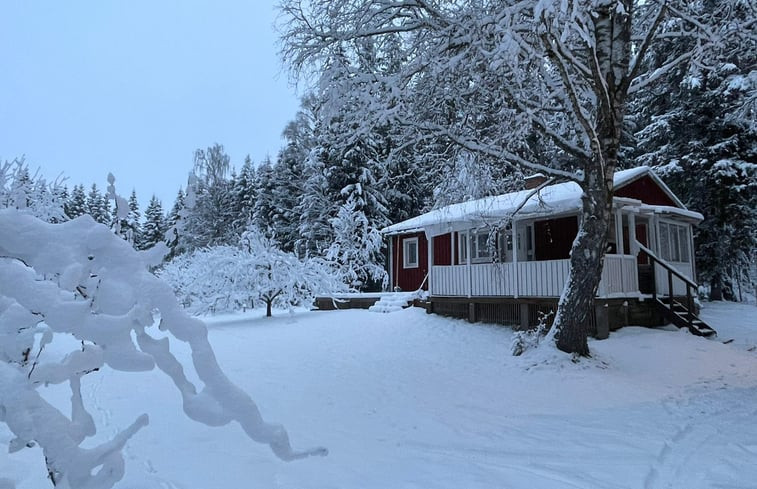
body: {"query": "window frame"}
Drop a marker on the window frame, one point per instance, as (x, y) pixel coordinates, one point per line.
(406, 242)
(462, 247)
(675, 242)
(490, 254)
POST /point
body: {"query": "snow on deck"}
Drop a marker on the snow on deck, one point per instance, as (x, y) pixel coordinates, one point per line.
(410, 400)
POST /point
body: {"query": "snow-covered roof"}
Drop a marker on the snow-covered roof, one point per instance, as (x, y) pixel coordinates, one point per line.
(551, 200)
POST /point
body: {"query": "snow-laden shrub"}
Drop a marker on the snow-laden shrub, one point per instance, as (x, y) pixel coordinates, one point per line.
(529, 339)
(31, 194)
(256, 272)
(78, 284)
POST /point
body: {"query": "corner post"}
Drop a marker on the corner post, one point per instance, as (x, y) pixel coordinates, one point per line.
(391, 263)
(516, 276)
(430, 259)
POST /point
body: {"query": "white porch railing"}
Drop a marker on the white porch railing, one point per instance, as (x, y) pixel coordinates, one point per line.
(661, 278)
(529, 279)
(620, 275)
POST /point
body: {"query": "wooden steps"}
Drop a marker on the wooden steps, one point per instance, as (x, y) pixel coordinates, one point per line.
(680, 316)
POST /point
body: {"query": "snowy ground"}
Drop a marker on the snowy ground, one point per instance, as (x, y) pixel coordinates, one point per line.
(409, 400)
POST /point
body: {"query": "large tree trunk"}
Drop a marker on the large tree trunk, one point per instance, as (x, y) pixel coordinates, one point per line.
(612, 31)
(574, 312)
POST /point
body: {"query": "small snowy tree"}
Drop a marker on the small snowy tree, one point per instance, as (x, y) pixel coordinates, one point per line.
(78, 281)
(229, 278)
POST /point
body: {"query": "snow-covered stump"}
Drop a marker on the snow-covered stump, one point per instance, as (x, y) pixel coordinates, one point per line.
(78, 280)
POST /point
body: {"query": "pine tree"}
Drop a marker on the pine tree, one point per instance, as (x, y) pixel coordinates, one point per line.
(173, 227)
(695, 127)
(244, 195)
(209, 220)
(153, 230)
(287, 183)
(77, 203)
(127, 223)
(178, 206)
(134, 218)
(64, 196)
(95, 205)
(315, 209)
(107, 212)
(263, 211)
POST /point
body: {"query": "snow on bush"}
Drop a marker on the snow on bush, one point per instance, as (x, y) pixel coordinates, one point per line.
(29, 193)
(231, 278)
(78, 284)
(530, 339)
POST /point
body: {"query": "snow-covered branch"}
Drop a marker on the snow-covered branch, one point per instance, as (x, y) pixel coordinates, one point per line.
(78, 281)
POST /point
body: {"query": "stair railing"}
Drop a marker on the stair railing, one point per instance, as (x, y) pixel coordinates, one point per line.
(690, 285)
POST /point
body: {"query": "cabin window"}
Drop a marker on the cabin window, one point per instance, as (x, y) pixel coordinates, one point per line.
(674, 242)
(481, 249)
(462, 248)
(410, 253)
(506, 243)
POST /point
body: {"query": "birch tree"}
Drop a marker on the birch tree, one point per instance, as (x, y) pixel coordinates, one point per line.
(536, 85)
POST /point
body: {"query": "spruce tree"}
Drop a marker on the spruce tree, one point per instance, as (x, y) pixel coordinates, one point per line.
(153, 230)
(134, 218)
(243, 195)
(697, 128)
(263, 211)
(77, 203)
(315, 209)
(96, 205)
(173, 227)
(208, 219)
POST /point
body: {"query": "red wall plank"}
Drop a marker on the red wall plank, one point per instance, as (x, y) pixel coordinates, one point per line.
(442, 250)
(410, 278)
(646, 190)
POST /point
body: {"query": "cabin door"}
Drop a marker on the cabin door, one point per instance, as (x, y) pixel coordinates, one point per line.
(642, 237)
(646, 278)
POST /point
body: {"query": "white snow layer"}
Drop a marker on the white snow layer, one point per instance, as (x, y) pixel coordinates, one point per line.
(410, 400)
(552, 199)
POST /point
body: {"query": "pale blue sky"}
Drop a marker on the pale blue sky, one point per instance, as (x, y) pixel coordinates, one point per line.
(134, 87)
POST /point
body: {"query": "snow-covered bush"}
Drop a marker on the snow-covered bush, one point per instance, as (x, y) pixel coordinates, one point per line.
(78, 287)
(31, 194)
(232, 278)
(529, 339)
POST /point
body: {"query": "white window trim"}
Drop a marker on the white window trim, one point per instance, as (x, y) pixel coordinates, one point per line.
(688, 234)
(463, 246)
(405, 245)
(476, 257)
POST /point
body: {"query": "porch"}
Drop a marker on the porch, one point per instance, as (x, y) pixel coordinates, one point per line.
(529, 279)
